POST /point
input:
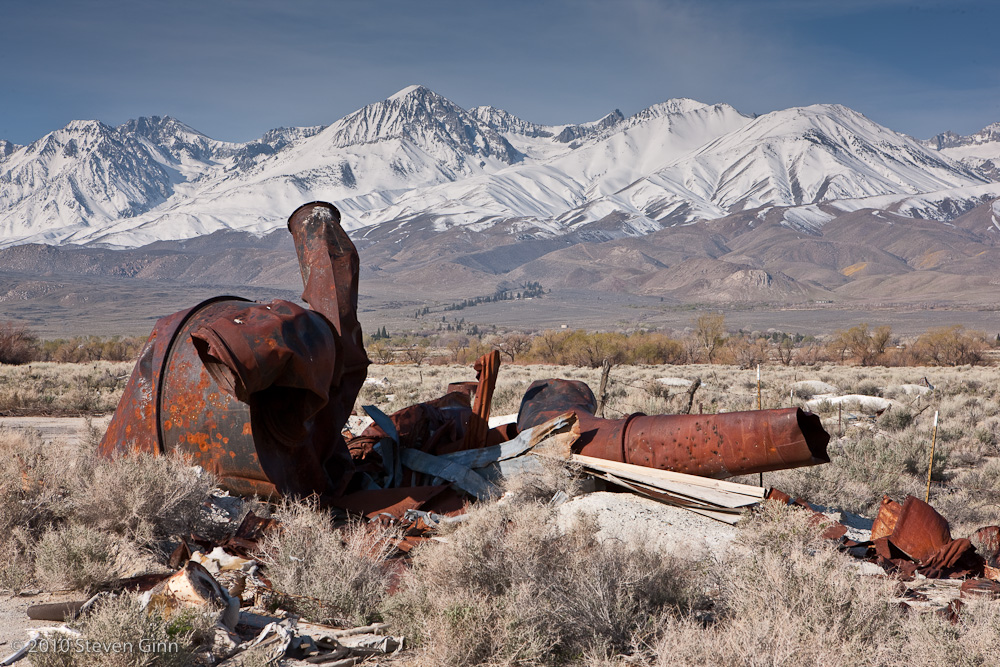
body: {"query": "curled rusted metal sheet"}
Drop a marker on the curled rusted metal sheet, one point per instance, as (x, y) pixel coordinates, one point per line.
(920, 531)
(257, 393)
(720, 445)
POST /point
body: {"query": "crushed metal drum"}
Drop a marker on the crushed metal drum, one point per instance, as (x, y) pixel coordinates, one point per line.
(256, 393)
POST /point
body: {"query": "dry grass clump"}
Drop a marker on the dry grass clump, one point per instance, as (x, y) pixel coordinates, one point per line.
(508, 588)
(327, 574)
(543, 483)
(142, 498)
(78, 556)
(71, 518)
(120, 632)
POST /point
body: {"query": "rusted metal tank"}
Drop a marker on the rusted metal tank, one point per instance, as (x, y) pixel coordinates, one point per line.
(257, 393)
(719, 445)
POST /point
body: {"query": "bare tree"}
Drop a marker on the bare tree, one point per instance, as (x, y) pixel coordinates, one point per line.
(786, 351)
(381, 353)
(18, 345)
(710, 333)
(513, 344)
(417, 352)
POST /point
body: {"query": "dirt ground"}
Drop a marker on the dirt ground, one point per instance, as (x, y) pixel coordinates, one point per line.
(57, 430)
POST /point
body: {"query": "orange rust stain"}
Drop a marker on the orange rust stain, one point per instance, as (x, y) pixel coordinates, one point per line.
(166, 424)
(246, 429)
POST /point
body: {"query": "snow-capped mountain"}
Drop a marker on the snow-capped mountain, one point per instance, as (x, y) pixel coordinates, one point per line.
(418, 158)
(86, 174)
(980, 151)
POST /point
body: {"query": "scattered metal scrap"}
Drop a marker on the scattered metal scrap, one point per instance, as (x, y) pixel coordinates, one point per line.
(912, 541)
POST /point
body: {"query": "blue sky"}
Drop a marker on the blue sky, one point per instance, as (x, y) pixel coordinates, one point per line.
(236, 68)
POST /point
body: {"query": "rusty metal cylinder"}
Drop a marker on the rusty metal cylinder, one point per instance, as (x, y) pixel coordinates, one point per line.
(257, 393)
(717, 445)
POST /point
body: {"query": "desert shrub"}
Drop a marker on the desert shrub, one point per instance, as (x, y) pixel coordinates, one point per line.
(30, 494)
(17, 555)
(149, 639)
(52, 389)
(970, 498)
(82, 349)
(895, 419)
(68, 516)
(931, 641)
(862, 469)
(141, 497)
(29, 503)
(76, 556)
(510, 588)
(817, 602)
(507, 398)
(543, 483)
(328, 574)
(868, 387)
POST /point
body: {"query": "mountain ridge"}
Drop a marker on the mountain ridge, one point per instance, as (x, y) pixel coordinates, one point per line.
(417, 154)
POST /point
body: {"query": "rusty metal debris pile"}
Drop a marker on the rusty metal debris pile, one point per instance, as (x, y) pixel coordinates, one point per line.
(260, 394)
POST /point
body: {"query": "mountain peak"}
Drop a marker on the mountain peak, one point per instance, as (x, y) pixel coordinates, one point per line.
(679, 105)
(426, 118)
(7, 148)
(414, 90)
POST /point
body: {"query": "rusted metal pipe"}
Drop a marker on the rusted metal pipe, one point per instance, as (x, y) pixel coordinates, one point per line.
(719, 445)
(257, 393)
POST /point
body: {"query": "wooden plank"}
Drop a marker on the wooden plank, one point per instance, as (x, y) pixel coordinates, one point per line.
(672, 498)
(731, 519)
(667, 475)
(701, 493)
(725, 515)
